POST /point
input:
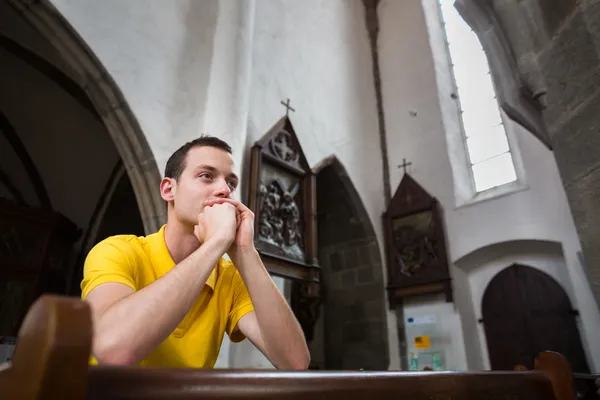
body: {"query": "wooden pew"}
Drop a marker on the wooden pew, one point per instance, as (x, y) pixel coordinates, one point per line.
(587, 386)
(51, 362)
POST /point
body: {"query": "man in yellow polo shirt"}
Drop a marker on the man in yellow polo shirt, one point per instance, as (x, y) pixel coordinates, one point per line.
(167, 299)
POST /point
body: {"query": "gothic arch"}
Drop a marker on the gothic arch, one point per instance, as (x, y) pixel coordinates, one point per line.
(494, 250)
(472, 273)
(355, 201)
(353, 326)
(109, 103)
(8, 131)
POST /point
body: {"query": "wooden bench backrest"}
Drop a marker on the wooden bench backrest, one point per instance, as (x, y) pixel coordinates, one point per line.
(51, 362)
(51, 357)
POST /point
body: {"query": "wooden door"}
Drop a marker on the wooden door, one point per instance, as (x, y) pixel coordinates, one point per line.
(525, 312)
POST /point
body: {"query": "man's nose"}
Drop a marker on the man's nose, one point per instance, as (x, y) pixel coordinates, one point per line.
(223, 190)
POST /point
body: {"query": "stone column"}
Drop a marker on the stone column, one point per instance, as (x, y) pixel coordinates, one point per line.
(226, 112)
(226, 116)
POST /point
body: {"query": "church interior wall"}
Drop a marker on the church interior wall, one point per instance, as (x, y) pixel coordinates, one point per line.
(477, 269)
(35, 107)
(420, 112)
(444, 331)
(58, 147)
(302, 52)
(160, 57)
(181, 76)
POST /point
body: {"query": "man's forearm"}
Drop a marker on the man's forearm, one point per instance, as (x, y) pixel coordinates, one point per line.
(133, 327)
(280, 330)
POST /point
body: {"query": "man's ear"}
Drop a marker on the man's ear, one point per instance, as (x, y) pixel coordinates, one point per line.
(168, 187)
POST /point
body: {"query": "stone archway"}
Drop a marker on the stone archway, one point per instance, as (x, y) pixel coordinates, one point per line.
(352, 330)
(108, 102)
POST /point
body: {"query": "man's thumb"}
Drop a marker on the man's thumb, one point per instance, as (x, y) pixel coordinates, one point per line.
(199, 232)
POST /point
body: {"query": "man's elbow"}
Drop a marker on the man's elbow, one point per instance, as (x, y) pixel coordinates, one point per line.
(107, 353)
(301, 361)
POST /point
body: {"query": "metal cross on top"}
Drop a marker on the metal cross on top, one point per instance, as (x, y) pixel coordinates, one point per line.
(404, 165)
(287, 107)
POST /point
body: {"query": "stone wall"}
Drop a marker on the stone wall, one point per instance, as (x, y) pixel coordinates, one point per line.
(353, 294)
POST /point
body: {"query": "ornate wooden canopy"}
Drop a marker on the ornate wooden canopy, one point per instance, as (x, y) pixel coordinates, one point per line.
(283, 197)
(415, 244)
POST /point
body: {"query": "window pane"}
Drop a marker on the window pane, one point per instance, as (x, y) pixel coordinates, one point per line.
(477, 89)
(494, 172)
(450, 15)
(473, 68)
(448, 10)
(475, 82)
(457, 29)
(479, 120)
(486, 140)
(484, 146)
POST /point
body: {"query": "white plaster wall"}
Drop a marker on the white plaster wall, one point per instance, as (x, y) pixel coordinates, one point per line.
(159, 54)
(317, 54)
(226, 113)
(417, 79)
(445, 334)
(69, 146)
(183, 67)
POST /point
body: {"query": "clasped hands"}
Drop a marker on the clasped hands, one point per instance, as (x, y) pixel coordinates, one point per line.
(229, 222)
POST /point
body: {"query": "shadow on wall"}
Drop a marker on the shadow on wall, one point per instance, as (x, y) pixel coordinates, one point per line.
(352, 325)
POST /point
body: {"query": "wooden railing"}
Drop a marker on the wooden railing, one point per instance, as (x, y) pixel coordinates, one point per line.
(51, 362)
(587, 386)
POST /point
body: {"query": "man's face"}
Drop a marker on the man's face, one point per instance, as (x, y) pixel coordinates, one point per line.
(209, 173)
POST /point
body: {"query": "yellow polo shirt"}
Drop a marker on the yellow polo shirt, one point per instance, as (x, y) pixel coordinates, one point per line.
(137, 262)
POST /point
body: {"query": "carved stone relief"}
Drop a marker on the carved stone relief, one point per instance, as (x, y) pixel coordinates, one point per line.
(282, 196)
(280, 223)
(282, 147)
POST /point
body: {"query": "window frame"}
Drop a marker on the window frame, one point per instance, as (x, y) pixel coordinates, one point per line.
(463, 199)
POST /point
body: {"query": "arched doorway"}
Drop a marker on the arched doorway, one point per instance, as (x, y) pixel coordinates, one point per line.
(74, 164)
(525, 312)
(351, 332)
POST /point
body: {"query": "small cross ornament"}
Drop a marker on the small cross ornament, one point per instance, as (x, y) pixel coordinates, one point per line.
(287, 107)
(404, 165)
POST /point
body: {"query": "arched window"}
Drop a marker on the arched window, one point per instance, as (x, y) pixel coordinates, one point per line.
(488, 150)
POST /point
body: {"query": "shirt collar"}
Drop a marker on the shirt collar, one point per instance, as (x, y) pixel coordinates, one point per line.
(162, 260)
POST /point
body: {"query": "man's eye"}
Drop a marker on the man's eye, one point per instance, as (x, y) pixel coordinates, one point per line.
(205, 175)
(232, 184)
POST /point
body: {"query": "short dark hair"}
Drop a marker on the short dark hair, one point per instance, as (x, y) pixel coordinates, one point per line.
(176, 163)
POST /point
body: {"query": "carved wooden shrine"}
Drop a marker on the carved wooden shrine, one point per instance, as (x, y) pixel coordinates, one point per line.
(283, 197)
(415, 244)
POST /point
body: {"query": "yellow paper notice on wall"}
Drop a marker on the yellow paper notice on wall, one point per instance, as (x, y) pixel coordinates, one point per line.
(422, 342)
